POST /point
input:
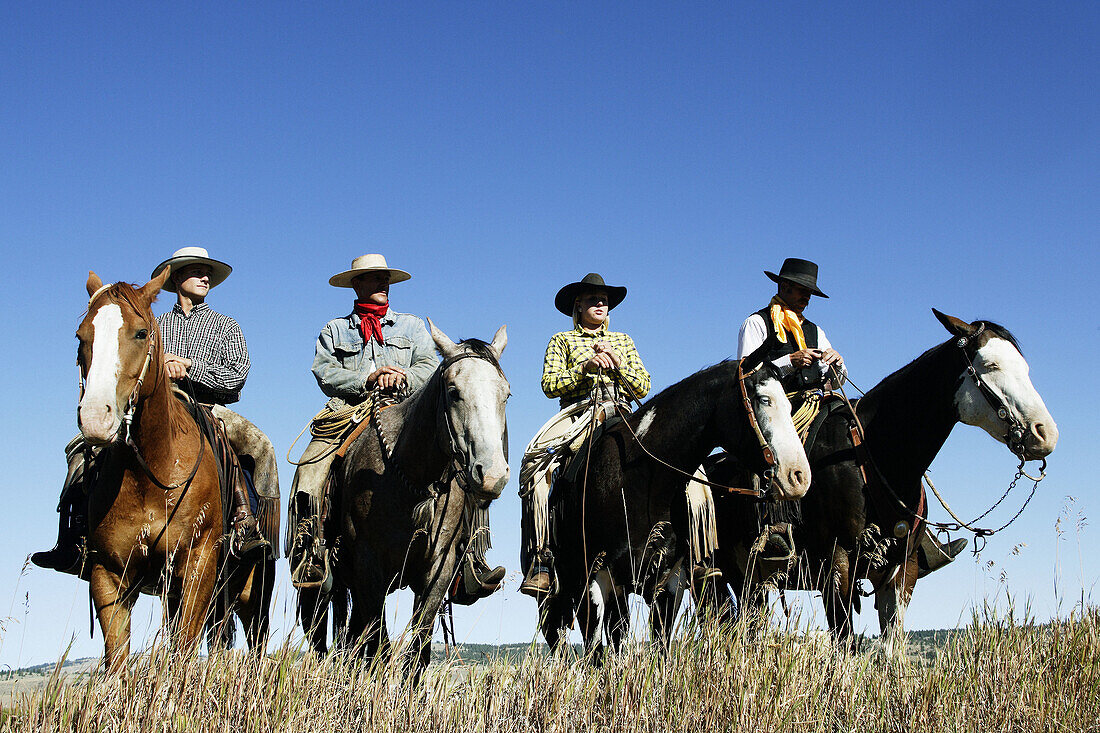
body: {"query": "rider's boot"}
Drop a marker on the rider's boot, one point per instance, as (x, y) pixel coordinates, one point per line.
(307, 561)
(932, 555)
(247, 542)
(779, 546)
(704, 575)
(537, 582)
(477, 580)
(66, 556)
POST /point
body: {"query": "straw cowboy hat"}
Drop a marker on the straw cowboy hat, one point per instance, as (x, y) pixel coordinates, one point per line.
(565, 298)
(367, 263)
(181, 258)
(799, 272)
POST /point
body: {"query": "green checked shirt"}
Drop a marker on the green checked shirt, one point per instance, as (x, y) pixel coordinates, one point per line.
(563, 374)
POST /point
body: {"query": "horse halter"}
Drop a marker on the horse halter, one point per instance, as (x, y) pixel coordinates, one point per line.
(459, 469)
(131, 404)
(766, 449)
(125, 425)
(1015, 432)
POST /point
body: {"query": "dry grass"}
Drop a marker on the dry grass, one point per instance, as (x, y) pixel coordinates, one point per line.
(998, 674)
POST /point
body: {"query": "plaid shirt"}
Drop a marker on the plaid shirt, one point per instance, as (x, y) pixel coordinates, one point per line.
(563, 374)
(214, 344)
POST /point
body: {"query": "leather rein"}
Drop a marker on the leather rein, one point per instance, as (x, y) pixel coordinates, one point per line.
(766, 449)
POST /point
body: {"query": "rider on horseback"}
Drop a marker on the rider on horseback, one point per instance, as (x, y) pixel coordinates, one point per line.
(206, 355)
(373, 348)
(810, 366)
(587, 363)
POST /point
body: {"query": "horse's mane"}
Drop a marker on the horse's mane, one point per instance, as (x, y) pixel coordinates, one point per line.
(483, 350)
(902, 374)
(674, 391)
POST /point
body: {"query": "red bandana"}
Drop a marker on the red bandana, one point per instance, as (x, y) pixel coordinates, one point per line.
(370, 323)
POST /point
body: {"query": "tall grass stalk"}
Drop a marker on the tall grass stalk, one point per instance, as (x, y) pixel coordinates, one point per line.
(1000, 673)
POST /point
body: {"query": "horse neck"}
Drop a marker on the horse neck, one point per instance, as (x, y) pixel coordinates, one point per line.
(684, 428)
(908, 416)
(160, 421)
(421, 448)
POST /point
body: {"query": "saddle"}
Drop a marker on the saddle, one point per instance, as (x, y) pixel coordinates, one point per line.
(580, 448)
(231, 475)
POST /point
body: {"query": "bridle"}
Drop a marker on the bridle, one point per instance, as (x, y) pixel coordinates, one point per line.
(125, 432)
(458, 468)
(765, 447)
(1014, 437)
(1015, 431)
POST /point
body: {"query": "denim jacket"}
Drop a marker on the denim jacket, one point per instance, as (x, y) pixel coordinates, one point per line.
(342, 364)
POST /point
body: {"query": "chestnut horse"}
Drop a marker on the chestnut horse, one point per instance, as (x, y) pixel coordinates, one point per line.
(155, 519)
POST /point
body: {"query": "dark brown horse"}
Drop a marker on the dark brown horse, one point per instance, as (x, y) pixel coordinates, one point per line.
(155, 512)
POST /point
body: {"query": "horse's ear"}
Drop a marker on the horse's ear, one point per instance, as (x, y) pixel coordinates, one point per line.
(442, 341)
(150, 289)
(94, 283)
(500, 340)
(955, 326)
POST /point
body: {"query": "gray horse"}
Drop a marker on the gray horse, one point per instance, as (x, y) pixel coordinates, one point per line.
(411, 487)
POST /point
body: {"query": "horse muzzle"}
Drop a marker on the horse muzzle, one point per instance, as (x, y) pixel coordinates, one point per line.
(485, 485)
(99, 424)
(1039, 440)
(791, 482)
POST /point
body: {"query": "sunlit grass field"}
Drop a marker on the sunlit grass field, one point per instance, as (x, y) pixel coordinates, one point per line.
(998, 673)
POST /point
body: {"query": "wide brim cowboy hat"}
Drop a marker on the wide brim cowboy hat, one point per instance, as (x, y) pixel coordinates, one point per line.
(181, 258)
(565, 298)
(367, 263)
(799, 272)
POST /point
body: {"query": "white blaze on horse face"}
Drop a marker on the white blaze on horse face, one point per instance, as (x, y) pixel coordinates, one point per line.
(99, 412)
(773, 413)
(1004, 369)
(479, 423)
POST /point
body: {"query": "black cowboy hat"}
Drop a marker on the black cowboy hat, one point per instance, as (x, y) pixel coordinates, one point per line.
(565, 298)
(799, 272)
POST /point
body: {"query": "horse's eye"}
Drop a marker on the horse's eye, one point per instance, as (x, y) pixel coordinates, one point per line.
(142, 334)
(453, 394)
(764, 400)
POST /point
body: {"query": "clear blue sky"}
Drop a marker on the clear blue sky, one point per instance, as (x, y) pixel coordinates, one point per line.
(925, 154)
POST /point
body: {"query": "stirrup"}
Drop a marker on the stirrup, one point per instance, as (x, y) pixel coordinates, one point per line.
(476, 580)
(246, 540)
(310, 559)
(782, 549)
(931, 555)
(538, 584)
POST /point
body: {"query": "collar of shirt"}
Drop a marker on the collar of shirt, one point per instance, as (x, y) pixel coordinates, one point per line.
(386, 320)
(580, 331)
(197, 308)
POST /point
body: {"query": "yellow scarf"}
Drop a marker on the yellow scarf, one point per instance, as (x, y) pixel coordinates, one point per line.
(783, 320)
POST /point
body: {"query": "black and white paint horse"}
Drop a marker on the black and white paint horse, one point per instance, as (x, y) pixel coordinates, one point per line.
(855, 529)
(622, 529)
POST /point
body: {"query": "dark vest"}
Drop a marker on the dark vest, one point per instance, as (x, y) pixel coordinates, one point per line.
(799, 379)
